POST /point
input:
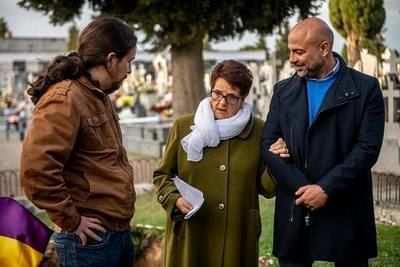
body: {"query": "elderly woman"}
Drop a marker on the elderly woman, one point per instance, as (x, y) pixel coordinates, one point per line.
(216, 151)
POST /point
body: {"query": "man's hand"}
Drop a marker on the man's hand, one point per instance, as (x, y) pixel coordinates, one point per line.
(183, 205)
(279, 148)
(85, 229)
(311, 196)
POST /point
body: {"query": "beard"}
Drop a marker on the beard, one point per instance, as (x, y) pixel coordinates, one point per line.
(311, 72)
(114, 87)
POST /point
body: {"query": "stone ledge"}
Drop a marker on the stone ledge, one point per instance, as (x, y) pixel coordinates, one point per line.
(387, 215)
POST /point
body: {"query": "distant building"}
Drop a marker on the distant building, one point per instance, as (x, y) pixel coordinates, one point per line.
(22, 58)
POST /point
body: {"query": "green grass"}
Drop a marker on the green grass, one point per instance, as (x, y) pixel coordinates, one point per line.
(148, 211)
(136, 155)
(267, 220)
(388, 246)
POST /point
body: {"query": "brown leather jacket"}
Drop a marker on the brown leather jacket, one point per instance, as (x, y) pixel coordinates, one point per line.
(73, 162)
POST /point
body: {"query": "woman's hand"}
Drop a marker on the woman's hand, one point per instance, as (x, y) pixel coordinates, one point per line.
(86, 227)
(279, 148)
(183, 205)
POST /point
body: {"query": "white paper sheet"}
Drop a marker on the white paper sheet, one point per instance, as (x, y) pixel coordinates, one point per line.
(193, 195)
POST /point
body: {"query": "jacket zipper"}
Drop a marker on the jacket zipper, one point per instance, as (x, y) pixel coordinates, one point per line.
(119, 142)
(308, 217)
(291, 218)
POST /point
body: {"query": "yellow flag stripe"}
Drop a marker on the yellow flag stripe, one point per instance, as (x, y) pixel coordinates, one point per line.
(16, 254)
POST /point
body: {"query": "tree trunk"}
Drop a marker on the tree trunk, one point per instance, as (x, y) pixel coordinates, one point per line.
(353, 54)
(188, 76)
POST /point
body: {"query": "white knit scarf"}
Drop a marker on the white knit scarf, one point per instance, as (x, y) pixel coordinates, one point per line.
(207, 131)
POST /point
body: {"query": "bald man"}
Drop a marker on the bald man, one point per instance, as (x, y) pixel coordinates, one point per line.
(330, 118)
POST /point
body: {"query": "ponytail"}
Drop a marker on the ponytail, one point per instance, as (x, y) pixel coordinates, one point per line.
(61, 68)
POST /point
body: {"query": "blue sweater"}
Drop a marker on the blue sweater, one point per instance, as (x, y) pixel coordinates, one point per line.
(316, 91)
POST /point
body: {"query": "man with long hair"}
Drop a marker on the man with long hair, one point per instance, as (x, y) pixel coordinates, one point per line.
(73, 163)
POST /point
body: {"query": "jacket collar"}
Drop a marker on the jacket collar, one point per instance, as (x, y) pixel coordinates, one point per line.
(343, 89)
(292, 95)
(89, 84)
(332, 73)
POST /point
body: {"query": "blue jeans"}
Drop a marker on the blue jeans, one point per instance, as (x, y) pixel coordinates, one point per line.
(115, 249)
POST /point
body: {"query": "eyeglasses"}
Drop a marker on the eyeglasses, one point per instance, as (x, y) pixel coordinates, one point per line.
(229, 98)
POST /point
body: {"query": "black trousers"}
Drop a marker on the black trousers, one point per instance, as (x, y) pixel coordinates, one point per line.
(288, 263)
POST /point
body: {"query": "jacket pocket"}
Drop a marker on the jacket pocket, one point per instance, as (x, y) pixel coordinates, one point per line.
(178, 227)
(93, 244)
(250, 246)
(116, 198)
(255, 223)
(268, 184)
(100, 132)
(78, 186)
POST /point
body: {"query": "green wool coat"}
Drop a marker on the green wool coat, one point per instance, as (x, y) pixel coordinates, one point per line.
(226, 229)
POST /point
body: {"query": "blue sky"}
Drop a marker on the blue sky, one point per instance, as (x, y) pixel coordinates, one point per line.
(23, 23)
